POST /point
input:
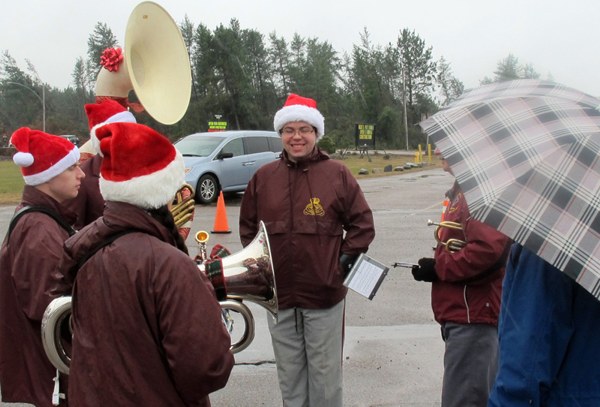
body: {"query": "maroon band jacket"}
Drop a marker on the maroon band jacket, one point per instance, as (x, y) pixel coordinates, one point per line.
(27, 266)
(313, 211)
(469, 284)
(147, 325)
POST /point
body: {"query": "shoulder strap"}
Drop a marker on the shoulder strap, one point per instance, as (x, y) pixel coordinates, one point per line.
(100, 245)
(26, 209)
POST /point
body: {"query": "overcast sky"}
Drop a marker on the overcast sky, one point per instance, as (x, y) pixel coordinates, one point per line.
(559, 38)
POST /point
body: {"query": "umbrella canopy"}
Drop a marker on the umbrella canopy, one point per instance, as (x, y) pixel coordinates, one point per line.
(525, 154)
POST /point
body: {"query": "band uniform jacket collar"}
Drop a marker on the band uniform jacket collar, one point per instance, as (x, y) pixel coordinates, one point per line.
(34, 197)
(315, 155)
(118, 217)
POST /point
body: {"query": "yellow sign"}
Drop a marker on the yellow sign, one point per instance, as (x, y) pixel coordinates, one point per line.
(217, 126)
(365, 131)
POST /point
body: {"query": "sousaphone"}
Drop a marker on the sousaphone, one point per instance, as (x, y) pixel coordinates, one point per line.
(156, 66)
(247, 275)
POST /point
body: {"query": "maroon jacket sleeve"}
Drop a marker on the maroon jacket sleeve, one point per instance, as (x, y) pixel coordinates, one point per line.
(38, 242)
(485, 251)
(248, 222)
(358, 222)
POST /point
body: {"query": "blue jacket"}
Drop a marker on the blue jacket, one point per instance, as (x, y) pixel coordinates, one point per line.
(549, 331)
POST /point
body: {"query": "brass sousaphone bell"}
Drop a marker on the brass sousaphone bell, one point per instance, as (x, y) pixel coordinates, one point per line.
(156, 66)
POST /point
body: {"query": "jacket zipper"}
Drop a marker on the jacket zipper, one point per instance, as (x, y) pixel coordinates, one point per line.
(466, 304)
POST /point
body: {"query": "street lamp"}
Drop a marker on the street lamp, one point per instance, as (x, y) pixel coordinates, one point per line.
(41, 99)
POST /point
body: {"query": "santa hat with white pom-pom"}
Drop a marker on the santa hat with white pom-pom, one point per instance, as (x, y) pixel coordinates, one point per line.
(104, 112)
(42, 156)
(140, 166)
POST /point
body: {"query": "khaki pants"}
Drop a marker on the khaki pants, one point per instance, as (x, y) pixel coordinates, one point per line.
(308, 346)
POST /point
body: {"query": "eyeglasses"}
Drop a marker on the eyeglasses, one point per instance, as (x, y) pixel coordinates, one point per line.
(290, 131)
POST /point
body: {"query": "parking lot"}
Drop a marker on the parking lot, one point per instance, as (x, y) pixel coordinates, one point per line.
(393, 350)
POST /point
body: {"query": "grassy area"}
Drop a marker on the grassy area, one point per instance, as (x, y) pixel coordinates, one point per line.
(375, 163)
(11, 181)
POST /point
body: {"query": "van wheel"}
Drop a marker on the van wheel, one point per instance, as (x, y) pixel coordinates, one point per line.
(207, 190)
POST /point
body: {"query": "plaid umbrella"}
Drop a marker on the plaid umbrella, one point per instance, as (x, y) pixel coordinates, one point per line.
(525, 154)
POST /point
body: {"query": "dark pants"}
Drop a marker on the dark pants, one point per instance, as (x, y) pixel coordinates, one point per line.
(470, 364)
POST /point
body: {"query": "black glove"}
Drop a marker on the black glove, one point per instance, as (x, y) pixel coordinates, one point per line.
(346, 263)
(425, 271)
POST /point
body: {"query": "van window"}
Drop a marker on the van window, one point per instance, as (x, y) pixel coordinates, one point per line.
(234, 146)
(256, 145)
(275, 144)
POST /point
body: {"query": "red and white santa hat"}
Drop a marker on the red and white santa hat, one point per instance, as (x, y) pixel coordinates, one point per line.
(42, 156)
(140, 165)
(103, 112)
(300, 109)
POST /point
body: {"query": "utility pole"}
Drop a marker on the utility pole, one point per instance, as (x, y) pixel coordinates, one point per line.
(43, 107)
(404, 106)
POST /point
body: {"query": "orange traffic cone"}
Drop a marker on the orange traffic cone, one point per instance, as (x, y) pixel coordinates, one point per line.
(445, 204)
(221, 225)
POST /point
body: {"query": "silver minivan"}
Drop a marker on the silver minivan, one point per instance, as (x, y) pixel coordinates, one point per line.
(225, 161)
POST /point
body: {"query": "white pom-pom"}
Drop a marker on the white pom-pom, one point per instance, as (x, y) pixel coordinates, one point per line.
(23, 159)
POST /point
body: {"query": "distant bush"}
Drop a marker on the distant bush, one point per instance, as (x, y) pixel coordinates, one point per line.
(7, 152)
(326, 144)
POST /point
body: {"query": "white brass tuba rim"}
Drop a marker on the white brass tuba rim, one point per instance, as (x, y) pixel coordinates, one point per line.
(56, 314)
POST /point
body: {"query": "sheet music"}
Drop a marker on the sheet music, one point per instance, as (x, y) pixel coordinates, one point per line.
(366, 276)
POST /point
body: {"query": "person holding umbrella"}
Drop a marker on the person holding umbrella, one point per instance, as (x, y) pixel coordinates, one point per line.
(527, 153)
(549, 329)
(465, 297)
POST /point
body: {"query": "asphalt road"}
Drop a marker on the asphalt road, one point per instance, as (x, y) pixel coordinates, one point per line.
(393, 351)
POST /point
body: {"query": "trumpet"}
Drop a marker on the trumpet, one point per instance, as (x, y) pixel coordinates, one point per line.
(201, 238)
(452, 245)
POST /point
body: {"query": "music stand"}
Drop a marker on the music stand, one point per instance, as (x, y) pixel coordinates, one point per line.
(366, 276)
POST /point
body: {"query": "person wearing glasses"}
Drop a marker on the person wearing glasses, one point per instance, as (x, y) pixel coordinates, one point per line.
(318, 222)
